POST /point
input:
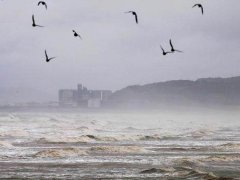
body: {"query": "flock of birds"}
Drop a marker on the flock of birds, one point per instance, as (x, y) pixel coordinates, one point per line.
(43, 3)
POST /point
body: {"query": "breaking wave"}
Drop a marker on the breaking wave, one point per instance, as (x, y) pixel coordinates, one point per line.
(118, 149)
(201, 133)
(89, 138)
(221, 158)
(60, 153)
(4, 144)
(81, 139)
(15, 133)
(230, 146)
(183, 173)
(155, 170)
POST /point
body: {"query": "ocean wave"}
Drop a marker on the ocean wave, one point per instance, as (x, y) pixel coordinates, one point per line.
(195, 173)
(230, 146)
(150, 138)
(97, 123)
(190, 163)
(182, 173)
(183, 148)
(118, 149)
(221, 158)
(90, 138)
(15, 133)
(130, 129)
(156, 137)
(137, 138)
(195, 168)
(83, 128)
(188, 172)
(201, 133)
(81, 139)
(60, 153)
(4, 144)
(160, 170)
(108, 139)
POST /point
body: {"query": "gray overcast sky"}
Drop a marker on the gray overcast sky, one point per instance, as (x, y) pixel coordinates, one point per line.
(115, 52)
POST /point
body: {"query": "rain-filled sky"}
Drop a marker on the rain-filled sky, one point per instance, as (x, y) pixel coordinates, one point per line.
(114, 51)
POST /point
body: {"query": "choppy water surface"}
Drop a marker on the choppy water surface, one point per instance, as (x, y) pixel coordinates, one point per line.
(119, 145)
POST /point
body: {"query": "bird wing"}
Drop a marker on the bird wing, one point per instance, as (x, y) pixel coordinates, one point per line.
(170, 41)
(162, 48)
(45, 5)
(202, 9)
(51, 58)
(136, 18)
(46, 54)
(39, 25)
(39, 3)
(195, 5)
(33, 19)
(179, 51)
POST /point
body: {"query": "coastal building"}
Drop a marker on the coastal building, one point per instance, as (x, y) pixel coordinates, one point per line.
(66, 97)
(82, 97)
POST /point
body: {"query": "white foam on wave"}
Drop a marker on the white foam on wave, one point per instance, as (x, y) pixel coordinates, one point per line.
(201, 133)
(229, 146)
(221, 158)
(14, 133)
(137, 137)
(63, 139)
(118, 149)
(60, 153)
(89, 138)
(4, 144)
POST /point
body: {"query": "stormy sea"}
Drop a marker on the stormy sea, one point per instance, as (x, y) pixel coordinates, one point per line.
(119, 145)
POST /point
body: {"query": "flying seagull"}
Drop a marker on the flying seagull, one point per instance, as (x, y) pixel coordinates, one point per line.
(48, 59)
(76, 34)
(164, 52)
(135, 14)
(33, 22)
(172, 48)
(42, 3)
(200, 6)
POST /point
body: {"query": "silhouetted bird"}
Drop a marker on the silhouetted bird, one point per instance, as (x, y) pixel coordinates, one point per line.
(135, 14)
(33, 22)
(48, 59)
(164, 52)
(42, 3)
(200, 6)
(172, 48)
(76, 34)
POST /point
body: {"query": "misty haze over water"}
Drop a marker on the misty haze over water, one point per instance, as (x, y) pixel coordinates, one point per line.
(166, 144)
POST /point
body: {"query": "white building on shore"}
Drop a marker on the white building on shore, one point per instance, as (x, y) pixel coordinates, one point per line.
(82, 97)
